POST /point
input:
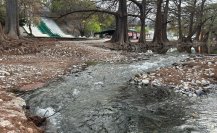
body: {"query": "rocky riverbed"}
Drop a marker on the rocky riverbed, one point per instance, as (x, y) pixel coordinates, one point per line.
(25, 72)
(194, 76)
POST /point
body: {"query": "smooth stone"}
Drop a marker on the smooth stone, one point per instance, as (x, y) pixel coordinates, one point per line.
(144, 76)
(198, 82)
(200, 92)
(209, 63)
(145, 81)
(211, 74)
(190, 95)
(204, 82)
(139, 87)
(132, 82)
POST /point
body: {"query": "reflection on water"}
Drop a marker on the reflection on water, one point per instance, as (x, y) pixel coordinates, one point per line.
(151, 109)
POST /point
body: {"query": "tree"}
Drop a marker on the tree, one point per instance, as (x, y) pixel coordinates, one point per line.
(158, 24)
(12, 19)
(30, 11)
(2, 16)
(143, 13)
(178, 4)
(200, 23)
(165, 21)
(121, 31)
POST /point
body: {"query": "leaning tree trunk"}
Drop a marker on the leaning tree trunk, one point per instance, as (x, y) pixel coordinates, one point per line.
(121, 33)
(158, 24)
(11, 21)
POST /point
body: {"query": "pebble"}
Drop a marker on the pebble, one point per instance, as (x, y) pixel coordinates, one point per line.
(190, 95)
(139, 87)
(132, 82)
(145, 81)
(211, 74)
(200, 92)
(144, 76)
(198, 82)
(204, 82)
(30, 130)
(209, 63)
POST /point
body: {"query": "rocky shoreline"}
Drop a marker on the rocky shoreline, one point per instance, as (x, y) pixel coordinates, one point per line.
(195, 76)
(26, 72)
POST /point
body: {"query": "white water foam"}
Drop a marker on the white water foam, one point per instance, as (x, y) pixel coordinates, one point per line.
(53, 118)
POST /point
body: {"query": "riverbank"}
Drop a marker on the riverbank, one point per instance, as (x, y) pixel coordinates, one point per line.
(195, 76)
(25, 72)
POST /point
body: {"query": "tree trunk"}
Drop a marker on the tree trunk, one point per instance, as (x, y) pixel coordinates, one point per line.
(180, 19)
(199, 27)
(142, 8)
(12, 21)
(121, 33)
(1, 34)
(158, 24)
(164, 26)
(191, 23)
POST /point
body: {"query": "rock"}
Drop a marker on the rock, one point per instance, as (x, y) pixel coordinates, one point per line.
(200, 92)
(204, 82)
(145, 81)
(190, 95)
(132, 82)
(209, 63)
(175, 64)
(194, 95)
(156, 82)
(5, 73)
(144, 76)
(198, 82)
(2, 76)
(140, 83)
(211, 74)
(30, 130)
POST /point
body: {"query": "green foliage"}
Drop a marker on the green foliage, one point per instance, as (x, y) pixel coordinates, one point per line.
(57, 5)
(107, 21)
(92, 25)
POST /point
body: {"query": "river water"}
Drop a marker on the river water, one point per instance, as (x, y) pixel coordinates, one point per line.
(100, 100)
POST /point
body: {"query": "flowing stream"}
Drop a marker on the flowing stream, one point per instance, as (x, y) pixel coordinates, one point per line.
(100, 100)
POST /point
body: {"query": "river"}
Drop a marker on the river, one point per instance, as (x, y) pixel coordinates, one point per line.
(100, 100)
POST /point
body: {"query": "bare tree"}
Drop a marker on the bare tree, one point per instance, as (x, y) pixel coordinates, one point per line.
(191, 22)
